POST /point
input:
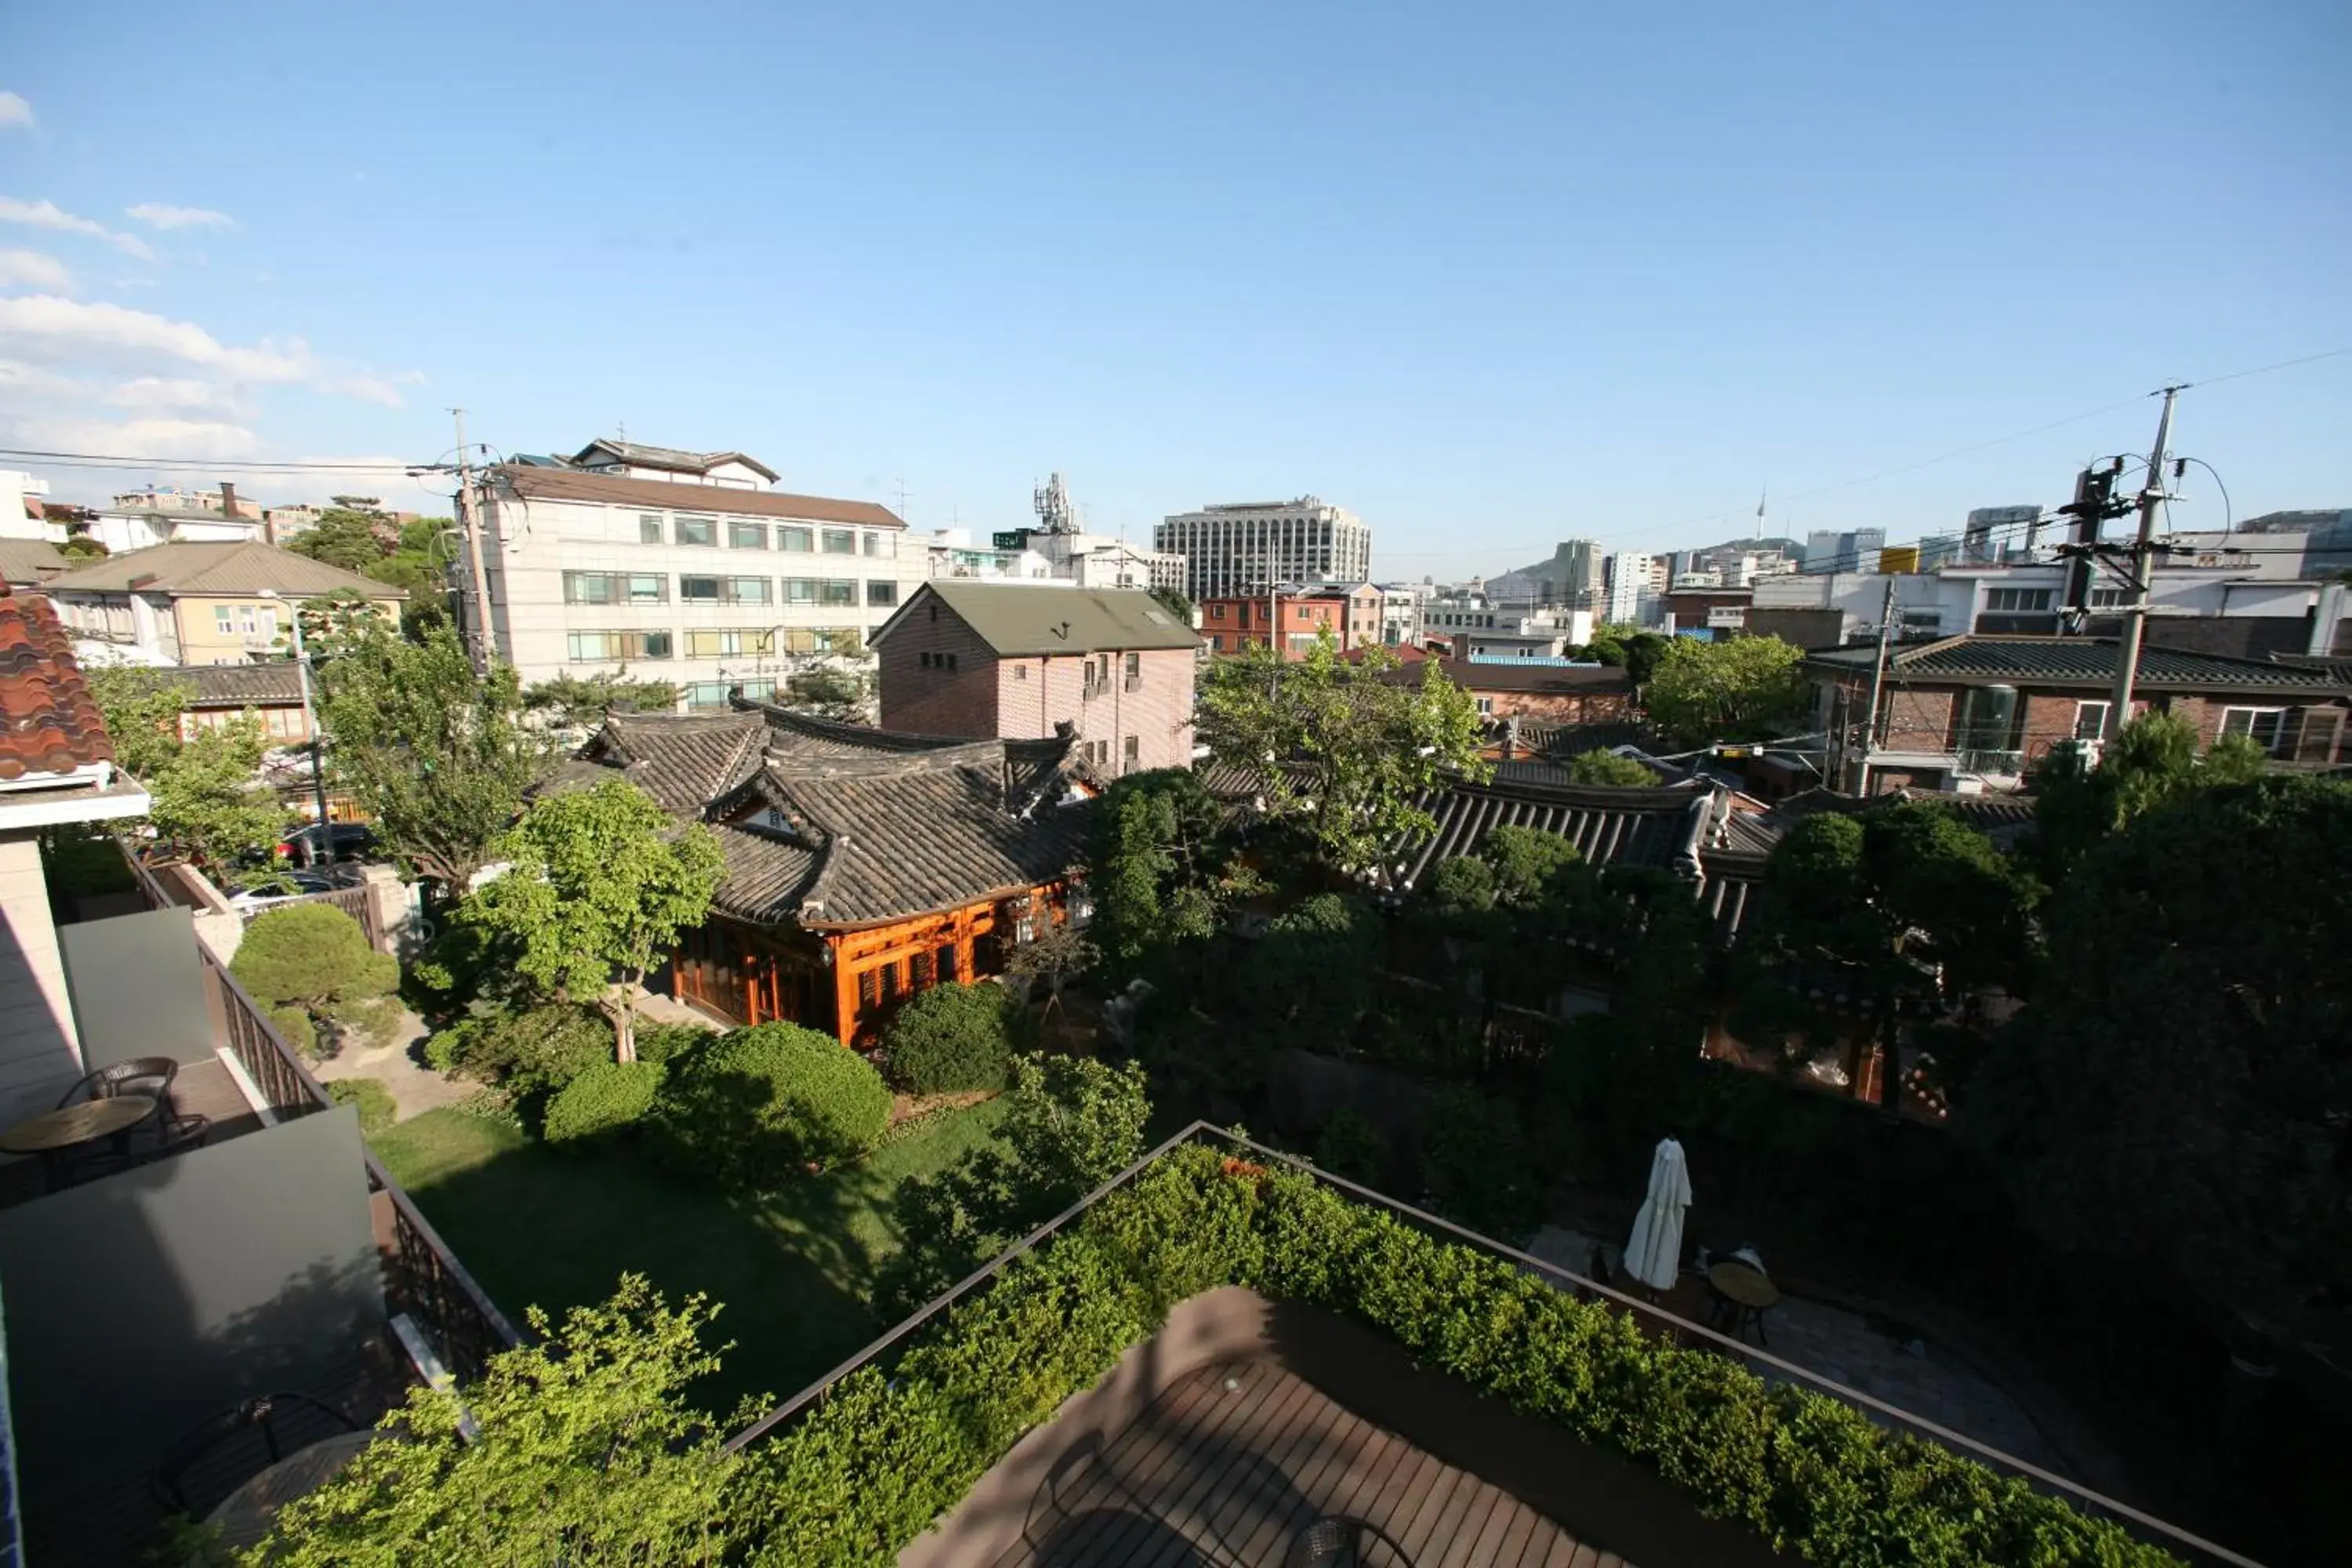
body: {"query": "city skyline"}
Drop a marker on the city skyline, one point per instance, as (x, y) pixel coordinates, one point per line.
(1577, 279)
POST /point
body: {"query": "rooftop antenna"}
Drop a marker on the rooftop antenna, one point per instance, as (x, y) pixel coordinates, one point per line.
(901, 483)
(1759, 510)
(622, 425)
(1052, 501)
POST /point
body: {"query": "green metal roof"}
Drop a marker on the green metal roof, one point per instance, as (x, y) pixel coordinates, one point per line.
(1030, 618)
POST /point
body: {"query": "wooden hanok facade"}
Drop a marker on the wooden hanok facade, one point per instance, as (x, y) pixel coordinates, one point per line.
(862, 866)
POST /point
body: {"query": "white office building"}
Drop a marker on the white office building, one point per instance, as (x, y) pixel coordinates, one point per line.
(680, 566)
(1241, 546)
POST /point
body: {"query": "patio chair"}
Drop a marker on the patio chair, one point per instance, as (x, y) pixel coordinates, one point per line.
(135, 1075)
(190, 1475)
(1343, 1542)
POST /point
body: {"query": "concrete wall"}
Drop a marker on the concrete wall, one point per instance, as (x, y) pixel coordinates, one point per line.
(40, 1051)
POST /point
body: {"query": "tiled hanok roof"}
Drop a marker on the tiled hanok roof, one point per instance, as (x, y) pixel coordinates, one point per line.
(2076, 661)
(48, 721)
(1658, 826)
(276, 684)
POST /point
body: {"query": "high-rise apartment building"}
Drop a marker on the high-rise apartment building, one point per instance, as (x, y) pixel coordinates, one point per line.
(1239, 547)
(1855, 550)
(1628, 577)
(1573, 580)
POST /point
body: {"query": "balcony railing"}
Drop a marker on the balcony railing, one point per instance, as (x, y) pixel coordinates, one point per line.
(1998, 765)
(422, 1277)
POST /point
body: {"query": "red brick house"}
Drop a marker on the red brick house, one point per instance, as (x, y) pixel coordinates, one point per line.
(1349, 612)
(1982, 709)
(1017, 661)
(1550, 693)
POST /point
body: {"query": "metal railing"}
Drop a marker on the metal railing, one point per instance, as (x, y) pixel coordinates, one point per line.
(2081, 1496)
(423, 1276)
(356, 902)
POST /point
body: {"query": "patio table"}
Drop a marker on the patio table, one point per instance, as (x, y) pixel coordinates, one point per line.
(1743, 1293)
(246, 1515)
(53, 1134)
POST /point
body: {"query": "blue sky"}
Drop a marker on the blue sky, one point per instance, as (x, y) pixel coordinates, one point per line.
(1488, 275)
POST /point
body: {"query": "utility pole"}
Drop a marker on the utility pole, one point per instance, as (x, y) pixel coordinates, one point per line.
(470, 527)
(2151, 496)
(1877, 685)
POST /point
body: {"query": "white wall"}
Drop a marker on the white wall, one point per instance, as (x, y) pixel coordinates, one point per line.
(39, 1051)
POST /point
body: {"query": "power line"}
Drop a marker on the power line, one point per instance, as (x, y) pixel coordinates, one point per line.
(247, 465)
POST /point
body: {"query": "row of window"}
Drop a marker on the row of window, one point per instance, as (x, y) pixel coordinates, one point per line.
(653, 588)
(705, 532)
(245, 620)
(717, 642)
(2269, 728)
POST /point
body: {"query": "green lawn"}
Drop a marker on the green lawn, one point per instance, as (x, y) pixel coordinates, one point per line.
(540, 1225)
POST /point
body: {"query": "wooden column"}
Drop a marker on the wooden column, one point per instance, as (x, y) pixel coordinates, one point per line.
(845, 994)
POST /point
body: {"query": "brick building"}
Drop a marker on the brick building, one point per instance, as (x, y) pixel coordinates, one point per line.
(1981, 710)
(1017, 661)
(1353, 613)
(1550, 693)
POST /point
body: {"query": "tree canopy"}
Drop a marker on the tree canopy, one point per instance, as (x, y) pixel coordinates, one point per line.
(438, 756)
(578, 702)
(208, 801)
(1165, 869)
(2151, 765)
(1743, 688)
(141, 708)
(1602, 767)
(600, 882)
(1345, 749)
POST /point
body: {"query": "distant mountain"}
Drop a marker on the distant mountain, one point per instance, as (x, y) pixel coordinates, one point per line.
(1792, 547)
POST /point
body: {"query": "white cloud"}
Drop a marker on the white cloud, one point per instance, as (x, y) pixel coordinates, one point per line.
(49, 216)
(160, 437)
(162, 214)
(14, 109)
(48, 326)
(32, 267)
(379, 389)
(153, 392)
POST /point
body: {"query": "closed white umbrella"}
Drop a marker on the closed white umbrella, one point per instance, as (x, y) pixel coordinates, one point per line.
(1655, 1254)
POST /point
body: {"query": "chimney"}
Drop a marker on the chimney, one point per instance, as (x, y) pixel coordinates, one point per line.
(228, 499)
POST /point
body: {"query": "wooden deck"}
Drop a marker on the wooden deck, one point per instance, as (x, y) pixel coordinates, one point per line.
(1234, 1461)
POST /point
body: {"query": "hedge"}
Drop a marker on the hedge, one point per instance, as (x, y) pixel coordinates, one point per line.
(864, 1473)
(601, 1101)
(378, 1110)
(758, 1109)
(952, 1038)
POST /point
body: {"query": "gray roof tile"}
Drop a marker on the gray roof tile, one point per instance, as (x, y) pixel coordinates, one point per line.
(2077, 661)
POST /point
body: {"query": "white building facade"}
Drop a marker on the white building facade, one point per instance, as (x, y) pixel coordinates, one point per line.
(1240, 546)
(694, 575)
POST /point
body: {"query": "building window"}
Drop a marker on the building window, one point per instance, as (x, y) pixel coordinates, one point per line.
(2091, 719)
(1486, 705)
(1216, 642)
(2017, 601)
(800, 590)
(694, 590)
(841, 541)
(649, 528)
(2266, 727)
(695, 530)
(224, 620)
(952, 661)
(795, 539)
(747, 535)
(1216, 611)
(1020, 672)
(880, 594)
(616, 587)
(1302, 612)
(699, 590)
(2108, 599)
(882, 546)
(729, 642)
(1132, 747)
(708, 694)
(598, 648)
(837, 591)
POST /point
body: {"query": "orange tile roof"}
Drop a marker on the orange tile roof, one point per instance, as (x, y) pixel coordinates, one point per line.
(48, 721)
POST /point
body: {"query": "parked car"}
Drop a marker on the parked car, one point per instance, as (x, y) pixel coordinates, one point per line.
(339, 841)
(287, 886)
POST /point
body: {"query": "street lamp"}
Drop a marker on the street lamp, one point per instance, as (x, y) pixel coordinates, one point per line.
(309, 715)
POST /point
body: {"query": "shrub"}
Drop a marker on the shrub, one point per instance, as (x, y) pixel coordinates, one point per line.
(378, 1111)
(533, 1052)
(953, 1038)
(663, 1043)
(1475, 1160)
(1350, 1146)
(294, 1025)
(757, 1108)
(316, 958)
(602, 1101)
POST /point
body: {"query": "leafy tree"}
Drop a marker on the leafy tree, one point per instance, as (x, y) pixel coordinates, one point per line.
(2181, 1085)
(759, 1108)
(1173, 601)
(84, 547)
(1476, 1163)
(1744, 689)
(576, 702)
(207, 802)
(1630, 648)
(342, 537)
(600, 881)
(1607, 768)
(1071, 1123)
(141, 708)
(438, 756)
(315, 958)
(1901, 907)
(1350, 1146)
(530, 1053)
(1165, 869)
(1059, 955)
(581, 1446)
(1313, 970)
(830, 693)
(1346, 750)
(2151, 765)
(953, 1038)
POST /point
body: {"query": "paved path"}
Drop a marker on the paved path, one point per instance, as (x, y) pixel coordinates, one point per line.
(416, 1087)
(1845, 1347)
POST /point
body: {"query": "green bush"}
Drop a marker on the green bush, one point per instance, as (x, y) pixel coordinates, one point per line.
(316, 958)
(756, 1109)
(953, 1038)
(889, 1450)
(1475, 1158)
(294, 1025)
(1350, 1146)
(601, 1101)
(377, 1108)
(533, 1052)
(664, 1043)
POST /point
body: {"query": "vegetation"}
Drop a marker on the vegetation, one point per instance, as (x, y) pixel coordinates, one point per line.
(411, 556)
(577, 703)
(839, 694)
(438, 757)
(84, 547)
(760, 1108)
(599, 885)
(1477, 1165)
(1057, 955)
(1164, 870)
(378, 1110)
(1744, 689)
(1173, 601)
(953, 1038)
(2152, 764)
(1344, 750)
(1351, 1147)
(141, 708)
(1602, 767)
(531, 1052)
(1629, 649)
(603, 1101)
(209, 804)
(583, 1449)
(315, 959)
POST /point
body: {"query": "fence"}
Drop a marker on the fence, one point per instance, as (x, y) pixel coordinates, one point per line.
(353, 902)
